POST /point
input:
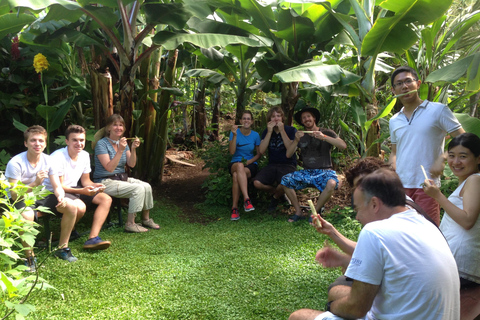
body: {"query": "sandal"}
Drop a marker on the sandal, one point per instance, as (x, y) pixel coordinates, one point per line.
(296, 218)
(150, 224)
(134, 228)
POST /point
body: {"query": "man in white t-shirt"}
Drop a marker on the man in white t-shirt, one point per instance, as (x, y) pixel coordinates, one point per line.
(34, 168)
(417, 134)
(74, 169)
(402, 267)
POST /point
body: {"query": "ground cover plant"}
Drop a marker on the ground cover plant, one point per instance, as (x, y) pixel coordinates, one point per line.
(260, 267)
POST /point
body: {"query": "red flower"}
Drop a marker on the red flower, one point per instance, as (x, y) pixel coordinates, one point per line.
(15, 52)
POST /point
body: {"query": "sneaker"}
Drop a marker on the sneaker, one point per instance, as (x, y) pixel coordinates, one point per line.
(134, 228)
(273, 204)
(74, 235)
(235, 215)
(65, 254)
(248, 205)
(96, 244)
(31, 264)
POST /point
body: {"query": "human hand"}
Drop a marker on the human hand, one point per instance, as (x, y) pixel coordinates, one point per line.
(90, 190)
(280, 126)
(62, 202)
(122, 144)
(318, 135)
(234, 129)
(136, 143)
(325, 227)
(431, 189)
(331, 258)
(299, 135)
(41, 175)
(271, 125)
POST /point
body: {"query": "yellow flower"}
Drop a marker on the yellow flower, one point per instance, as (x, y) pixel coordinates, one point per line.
(40, 63)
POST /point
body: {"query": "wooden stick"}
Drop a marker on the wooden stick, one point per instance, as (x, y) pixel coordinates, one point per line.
(404, 94)
(424, 173)
(314, 211)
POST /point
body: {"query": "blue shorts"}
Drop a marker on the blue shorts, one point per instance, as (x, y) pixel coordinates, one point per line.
(302, 179)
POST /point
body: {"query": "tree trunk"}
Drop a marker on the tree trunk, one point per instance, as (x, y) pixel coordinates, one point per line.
(199, 118)
(102, 96)
(474, 105)
(289, 100)
(374, 131)
(216, 111)
(158, 152)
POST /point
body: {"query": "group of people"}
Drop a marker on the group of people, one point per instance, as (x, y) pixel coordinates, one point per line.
(66, 173)
(280, 176)
(406, 264)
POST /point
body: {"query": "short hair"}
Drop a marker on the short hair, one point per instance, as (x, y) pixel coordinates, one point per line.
(468, 140)
(111, 120)
(248, 112)
(276, 109)
(74, 128)
(385, 185)
(403, 69)
(363, 167)
(36, 129)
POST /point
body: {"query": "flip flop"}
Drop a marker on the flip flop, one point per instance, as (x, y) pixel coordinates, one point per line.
(296, 218)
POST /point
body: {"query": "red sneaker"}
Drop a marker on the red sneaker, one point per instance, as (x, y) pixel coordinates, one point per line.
(235, 215)
(248, 205)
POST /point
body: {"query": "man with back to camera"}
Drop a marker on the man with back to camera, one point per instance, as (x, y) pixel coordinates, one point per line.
(34, 168)
(315, 146)
(417, 134)
(73, 165)
(402, 267)
(276, 138)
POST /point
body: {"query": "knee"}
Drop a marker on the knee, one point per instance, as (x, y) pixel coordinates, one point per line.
(257, 184)
(28, 214)
(331, 184)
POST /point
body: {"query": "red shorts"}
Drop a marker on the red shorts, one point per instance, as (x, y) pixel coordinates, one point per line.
(427, 203)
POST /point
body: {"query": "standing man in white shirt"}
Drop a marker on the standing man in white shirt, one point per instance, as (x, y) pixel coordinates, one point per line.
(417, 134)
(74, 169)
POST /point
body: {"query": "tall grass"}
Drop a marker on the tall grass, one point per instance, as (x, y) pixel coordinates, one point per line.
(259, 267)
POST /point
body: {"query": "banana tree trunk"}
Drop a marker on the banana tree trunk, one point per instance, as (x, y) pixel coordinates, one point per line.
(216, 111)
(374, 131)
(289, 100)
(102, 96)
(158, 153)
(199, 118)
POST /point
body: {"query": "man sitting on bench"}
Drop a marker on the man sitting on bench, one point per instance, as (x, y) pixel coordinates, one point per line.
(73, 165)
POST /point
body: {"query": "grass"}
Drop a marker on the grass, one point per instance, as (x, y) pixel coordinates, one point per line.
(259, 267)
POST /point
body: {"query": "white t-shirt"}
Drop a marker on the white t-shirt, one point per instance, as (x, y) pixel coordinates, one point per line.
(465, 244)
(420, 140)
(71, 170)
(18, 168)
(410, 260)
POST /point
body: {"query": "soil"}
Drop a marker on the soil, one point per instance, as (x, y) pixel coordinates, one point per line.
(181, 185)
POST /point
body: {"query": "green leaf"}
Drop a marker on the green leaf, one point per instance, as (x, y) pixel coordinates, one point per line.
(46, 112)
(13, 23)
(20, 126)
(59, 115)
(172, 14)
(317, 73)
(469, 124)
(24, 308)
(11, 254)
(171, 41)
(467, 67)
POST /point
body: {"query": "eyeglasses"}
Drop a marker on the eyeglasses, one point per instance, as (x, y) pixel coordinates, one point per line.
(407, 81)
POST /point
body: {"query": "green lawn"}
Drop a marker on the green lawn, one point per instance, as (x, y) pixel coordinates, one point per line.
(259, 267)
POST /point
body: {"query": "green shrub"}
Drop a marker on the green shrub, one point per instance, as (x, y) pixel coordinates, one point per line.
(16, 285)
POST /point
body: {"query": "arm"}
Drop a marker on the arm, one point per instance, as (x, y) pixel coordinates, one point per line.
(111, 164)
(345, 244)
(293, 146)
(57, 187)
(266, 139)
(357, 303)
(232, 145)
(439, 164)
(41, 175)
(256, 157)
(337, 142)
(392, 160)
(132, 156)
(466, 217)
(286, 139)
(331, 258)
